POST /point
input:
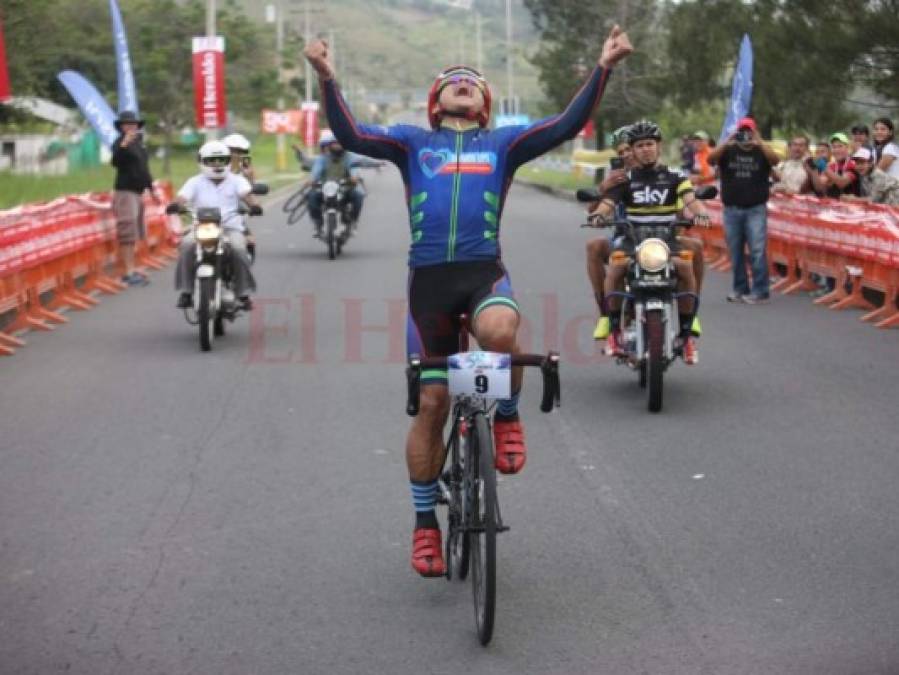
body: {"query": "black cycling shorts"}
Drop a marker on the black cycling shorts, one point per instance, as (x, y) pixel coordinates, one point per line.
(439, 294)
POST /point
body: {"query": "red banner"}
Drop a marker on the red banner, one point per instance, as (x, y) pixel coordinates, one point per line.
(281, 121)
(310, 123)
(5, 93)
(209, 82)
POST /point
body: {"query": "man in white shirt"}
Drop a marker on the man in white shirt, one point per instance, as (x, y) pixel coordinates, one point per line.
(792, 173)
(217, 187)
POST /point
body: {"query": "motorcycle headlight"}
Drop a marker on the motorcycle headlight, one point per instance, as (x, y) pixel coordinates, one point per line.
(653, 255)
(208, 233)
(330, 189)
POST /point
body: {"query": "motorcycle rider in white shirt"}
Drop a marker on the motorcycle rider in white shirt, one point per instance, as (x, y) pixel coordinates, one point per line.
(217, 187)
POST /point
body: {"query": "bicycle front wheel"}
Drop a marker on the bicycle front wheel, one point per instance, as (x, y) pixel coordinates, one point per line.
(482, 535)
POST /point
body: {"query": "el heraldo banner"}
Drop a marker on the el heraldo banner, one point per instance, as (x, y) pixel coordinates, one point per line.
(209, 82)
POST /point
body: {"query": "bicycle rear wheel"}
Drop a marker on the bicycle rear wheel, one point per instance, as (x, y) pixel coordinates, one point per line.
(457, 544)
(482, 536)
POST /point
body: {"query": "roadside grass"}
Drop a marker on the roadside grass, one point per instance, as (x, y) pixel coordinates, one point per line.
(552, 178)
(22, 189)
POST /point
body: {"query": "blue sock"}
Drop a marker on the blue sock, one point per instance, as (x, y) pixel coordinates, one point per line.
(424, 499)
(508, 407)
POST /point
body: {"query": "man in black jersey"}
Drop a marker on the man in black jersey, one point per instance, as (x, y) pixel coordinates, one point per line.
(654, 195)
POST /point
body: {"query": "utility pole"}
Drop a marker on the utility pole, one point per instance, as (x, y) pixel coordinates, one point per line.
(281, 156)
(479, 47)
(211, 134)
(307, 37)
(509, 74)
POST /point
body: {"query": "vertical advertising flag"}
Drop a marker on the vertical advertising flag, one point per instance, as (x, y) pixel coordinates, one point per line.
(310, 123)
(741, 94)
(209, 82)
(127, 90)
(92, 105)
(5, 93)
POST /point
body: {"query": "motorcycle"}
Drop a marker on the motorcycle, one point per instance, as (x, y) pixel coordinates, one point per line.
(337, 214)
(649, 319)
(214, 299)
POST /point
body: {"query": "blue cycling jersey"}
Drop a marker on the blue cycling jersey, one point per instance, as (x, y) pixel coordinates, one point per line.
(456, 181)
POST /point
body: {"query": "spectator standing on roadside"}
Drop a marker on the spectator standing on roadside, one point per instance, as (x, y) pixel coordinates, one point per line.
(877, 186)
(131, 161)
(792, 174)
(886, 151)
(745, 161)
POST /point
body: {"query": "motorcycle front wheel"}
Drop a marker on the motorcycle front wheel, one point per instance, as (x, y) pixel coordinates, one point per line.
(332, 235)
(206, 314)
(655, 354)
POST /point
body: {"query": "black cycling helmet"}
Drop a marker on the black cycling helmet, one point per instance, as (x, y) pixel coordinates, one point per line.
(619, 136)
(643, 130)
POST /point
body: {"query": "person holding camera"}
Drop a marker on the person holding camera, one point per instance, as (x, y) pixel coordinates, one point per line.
(131, 161)
(745, 162)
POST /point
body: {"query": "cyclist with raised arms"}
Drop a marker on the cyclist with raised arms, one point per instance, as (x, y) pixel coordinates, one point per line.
(457, 174)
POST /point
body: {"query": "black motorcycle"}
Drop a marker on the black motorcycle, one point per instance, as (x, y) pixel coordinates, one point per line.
(649, 325)
(338, 223)
(214, 298)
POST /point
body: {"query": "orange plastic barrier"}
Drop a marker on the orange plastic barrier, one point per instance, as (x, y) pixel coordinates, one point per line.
(63, 248)
(848, 241)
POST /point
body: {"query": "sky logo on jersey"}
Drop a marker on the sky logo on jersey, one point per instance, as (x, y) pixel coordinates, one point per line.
(436, 162)
(650, 196)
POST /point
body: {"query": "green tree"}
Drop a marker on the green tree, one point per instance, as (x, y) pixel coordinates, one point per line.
(802, 50)
(573, 32)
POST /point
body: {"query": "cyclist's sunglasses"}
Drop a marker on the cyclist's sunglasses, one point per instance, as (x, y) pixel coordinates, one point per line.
(462, 76)
(215, 161)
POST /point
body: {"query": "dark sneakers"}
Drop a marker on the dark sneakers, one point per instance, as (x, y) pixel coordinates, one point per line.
(427, 553)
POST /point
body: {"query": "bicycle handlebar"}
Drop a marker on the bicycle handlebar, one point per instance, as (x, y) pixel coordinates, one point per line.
(548, 364)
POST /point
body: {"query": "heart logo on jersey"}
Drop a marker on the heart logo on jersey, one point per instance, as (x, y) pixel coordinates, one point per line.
(432, 161)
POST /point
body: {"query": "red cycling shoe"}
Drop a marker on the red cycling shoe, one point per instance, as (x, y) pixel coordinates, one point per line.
(427, 553)
(613, 346)
(508, 440)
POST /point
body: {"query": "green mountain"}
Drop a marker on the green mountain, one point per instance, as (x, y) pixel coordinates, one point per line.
(394, 48)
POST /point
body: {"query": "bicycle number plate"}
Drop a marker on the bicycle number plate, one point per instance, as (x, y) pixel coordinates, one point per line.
(486, 374)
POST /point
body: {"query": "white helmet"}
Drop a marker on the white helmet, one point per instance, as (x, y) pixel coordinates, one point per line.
(326, 138)
(237, 142)
(214, 158)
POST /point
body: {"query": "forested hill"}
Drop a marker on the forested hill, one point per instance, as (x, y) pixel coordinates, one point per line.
(402, 44)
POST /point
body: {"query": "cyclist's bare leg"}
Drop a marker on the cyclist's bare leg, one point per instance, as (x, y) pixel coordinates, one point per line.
(694, 245)
(597, 257)
(615, 282)
(686, 283)
(425, 449)
(495, 329)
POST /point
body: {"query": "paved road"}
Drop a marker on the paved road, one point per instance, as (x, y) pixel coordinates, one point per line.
(246, 512)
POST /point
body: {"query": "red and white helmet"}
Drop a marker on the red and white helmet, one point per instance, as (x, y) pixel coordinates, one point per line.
(450, 76)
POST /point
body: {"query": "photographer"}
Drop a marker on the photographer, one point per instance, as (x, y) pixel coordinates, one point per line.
(130, 158)
(745, 162)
